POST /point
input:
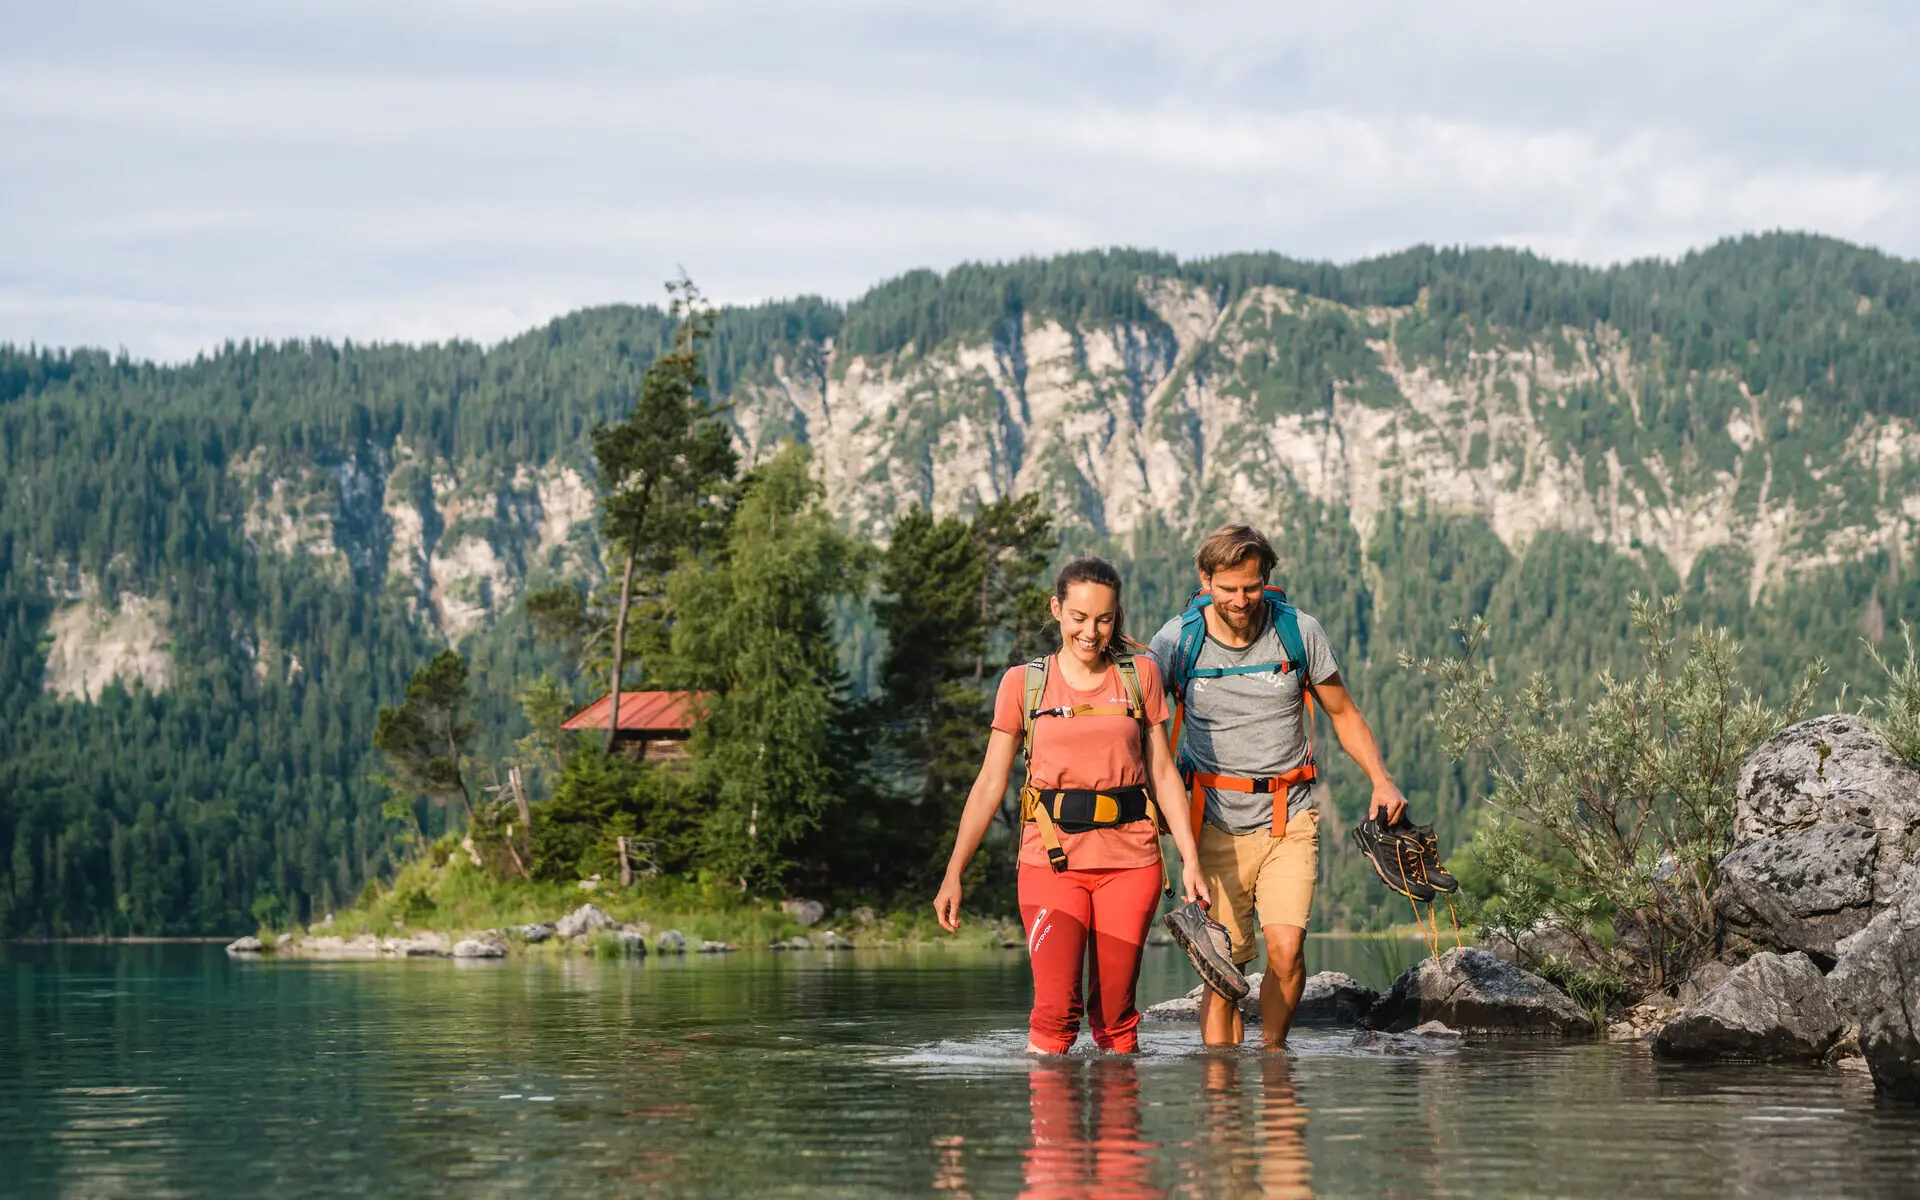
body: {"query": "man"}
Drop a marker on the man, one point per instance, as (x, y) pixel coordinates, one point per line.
(1243, 741)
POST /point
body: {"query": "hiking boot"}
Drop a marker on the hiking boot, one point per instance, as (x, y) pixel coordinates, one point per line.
(1395, 858)
(1430, 868)
(1208, 948)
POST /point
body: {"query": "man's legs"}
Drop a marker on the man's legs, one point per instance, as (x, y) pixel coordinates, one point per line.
(1284, 891)
(1286, 979)
(1225, 860)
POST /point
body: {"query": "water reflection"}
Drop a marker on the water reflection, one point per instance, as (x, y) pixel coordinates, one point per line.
(1086, 1132)
(1237, 1153)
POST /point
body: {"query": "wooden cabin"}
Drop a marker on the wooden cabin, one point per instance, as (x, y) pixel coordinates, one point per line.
(652, 724)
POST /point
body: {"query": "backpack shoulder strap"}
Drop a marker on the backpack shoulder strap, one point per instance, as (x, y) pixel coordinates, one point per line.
(1186, 649)
(1130, 679)
(1286, 623)
(1034, 688)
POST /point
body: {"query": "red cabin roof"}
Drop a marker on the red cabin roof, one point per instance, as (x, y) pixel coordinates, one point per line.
(642, 712)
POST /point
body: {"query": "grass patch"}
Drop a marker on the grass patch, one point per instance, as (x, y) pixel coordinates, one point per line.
(443, 892)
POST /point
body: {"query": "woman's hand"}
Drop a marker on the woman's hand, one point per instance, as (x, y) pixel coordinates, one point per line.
(1194, 885)
(946, 905)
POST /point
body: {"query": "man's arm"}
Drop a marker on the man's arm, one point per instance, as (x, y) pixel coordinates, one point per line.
(1356, 738)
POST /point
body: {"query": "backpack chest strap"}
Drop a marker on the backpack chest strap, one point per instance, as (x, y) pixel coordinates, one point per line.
(1274, 668)
(1087, 710)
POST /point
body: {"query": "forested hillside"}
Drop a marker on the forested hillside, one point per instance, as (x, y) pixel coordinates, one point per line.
(213, 575)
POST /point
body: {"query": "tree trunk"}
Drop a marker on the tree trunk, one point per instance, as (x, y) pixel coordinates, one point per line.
(619, 650)
(459, 776)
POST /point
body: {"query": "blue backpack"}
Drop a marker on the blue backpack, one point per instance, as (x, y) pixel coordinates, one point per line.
(1185, 668)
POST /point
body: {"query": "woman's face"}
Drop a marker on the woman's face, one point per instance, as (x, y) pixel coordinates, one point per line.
(1086, 619)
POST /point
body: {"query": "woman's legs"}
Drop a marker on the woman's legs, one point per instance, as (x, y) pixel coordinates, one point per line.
(1057, 909)
(1123, 902)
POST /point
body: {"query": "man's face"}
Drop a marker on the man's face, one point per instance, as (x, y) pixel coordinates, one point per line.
(1237, 593)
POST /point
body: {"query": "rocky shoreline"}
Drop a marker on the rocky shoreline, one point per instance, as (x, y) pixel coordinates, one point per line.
(1820, 896)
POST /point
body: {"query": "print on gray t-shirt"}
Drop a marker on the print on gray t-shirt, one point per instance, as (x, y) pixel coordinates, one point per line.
(1247, 725)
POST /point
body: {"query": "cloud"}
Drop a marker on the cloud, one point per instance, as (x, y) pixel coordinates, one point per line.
(179, 176)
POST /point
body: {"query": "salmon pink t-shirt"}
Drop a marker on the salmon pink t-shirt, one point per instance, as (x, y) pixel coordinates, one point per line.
(1087, 752)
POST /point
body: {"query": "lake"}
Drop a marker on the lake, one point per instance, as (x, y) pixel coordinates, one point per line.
(171, 1070)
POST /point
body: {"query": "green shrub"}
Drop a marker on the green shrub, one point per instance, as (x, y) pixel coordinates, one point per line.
(1615, 815)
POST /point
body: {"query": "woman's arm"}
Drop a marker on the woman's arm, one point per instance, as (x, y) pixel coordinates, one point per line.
(983, 802)
(1170, 794)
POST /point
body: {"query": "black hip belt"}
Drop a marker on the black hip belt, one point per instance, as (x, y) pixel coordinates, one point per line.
(1077, 810)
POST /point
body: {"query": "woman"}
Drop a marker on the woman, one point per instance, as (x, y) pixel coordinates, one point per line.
(1099, 772)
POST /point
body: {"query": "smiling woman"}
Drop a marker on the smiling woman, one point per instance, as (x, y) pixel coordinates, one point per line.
(1100, 786)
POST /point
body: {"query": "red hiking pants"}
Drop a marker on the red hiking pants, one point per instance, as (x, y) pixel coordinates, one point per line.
(1095, 919)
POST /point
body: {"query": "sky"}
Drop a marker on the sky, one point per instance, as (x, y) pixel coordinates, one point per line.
(176, 175)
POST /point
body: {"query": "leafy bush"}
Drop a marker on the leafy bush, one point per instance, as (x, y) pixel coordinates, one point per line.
(1899, 719)
(1615, 816)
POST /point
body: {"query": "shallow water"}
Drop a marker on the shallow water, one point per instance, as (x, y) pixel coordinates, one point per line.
(171, 1070)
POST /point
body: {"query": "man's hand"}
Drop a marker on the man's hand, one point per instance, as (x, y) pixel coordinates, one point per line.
(1387, 799)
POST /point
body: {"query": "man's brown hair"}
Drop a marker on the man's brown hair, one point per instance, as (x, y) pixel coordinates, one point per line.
(1231, 545)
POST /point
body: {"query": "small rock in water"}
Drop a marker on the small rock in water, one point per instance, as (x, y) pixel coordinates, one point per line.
(245, 945)
(588, 918)
(805, 912)
(670, 941)
(1429, 1038)
(717, 947)
(625, 942)
(833, 941)
(1472, 990)
(539, 931)
(477, 948)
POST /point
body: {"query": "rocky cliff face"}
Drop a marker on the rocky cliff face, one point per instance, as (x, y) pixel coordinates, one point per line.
(1249, 410)
(1241, 411)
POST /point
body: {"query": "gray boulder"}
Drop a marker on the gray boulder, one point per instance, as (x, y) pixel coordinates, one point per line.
(537, 932)
(717, 947)
(587, 919)
(805, 912)
(1705, 977)
(245, 945)
(1334, 998)
(670, 941)
(1878, 982)
(1826, 817)
(834, 941)
(478, 948)
(1472, 991)
(1801, 889)
(1770, 1007)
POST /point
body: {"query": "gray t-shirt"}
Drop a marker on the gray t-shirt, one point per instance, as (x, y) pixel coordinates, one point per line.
(1247, 725)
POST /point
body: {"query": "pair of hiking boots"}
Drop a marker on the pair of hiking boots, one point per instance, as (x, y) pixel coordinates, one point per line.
(1406, 857)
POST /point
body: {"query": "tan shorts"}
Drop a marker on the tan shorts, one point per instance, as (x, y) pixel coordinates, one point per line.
(1257, 870)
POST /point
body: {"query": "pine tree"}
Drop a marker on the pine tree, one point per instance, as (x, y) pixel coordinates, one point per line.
(755, 630)
(663, 466)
